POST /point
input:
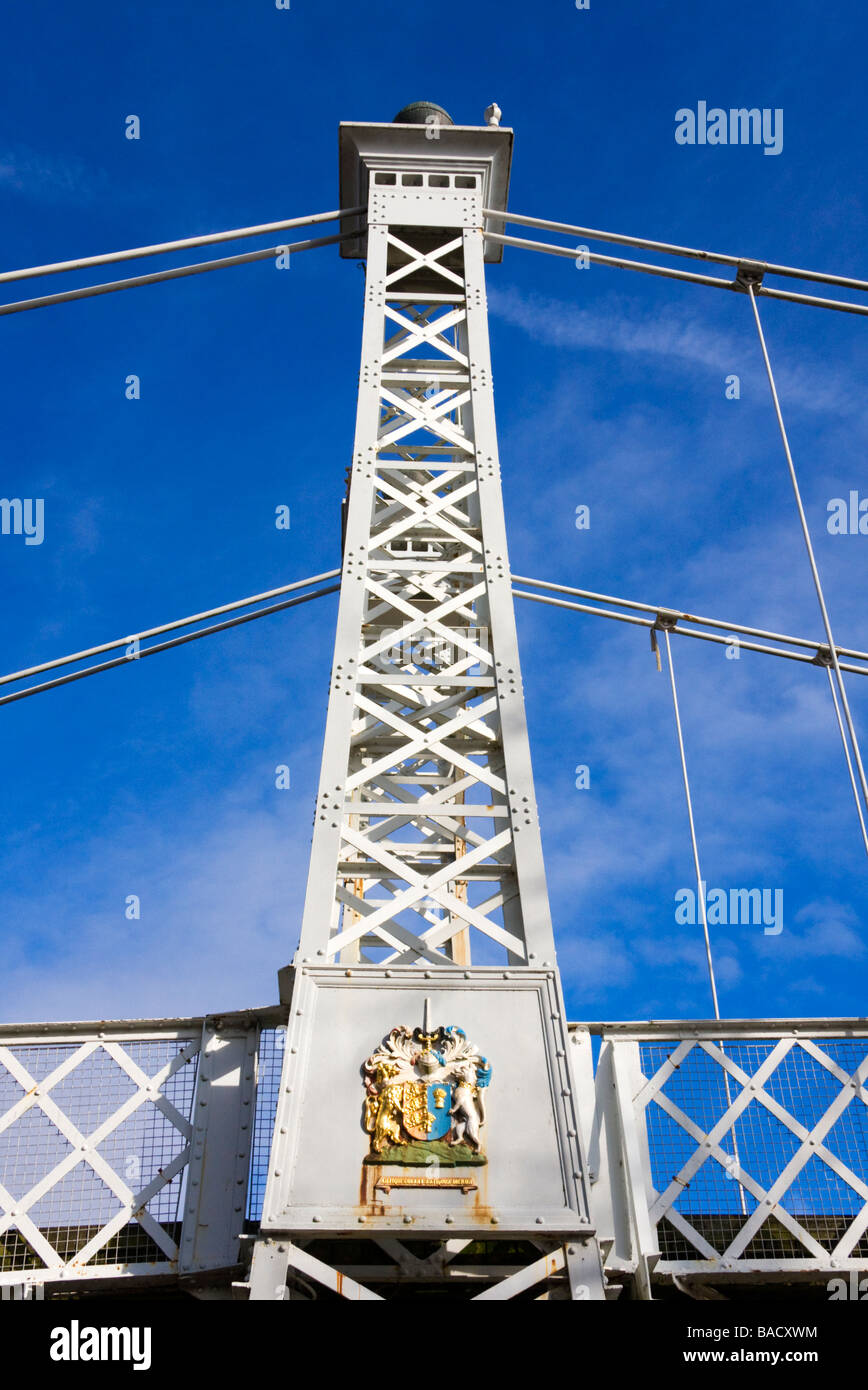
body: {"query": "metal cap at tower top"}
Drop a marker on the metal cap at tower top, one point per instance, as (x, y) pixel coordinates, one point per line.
(413, 153)
(422, 113)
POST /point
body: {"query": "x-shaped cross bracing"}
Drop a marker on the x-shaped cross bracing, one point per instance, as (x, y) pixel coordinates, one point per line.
(84, 1148)
(708, 1146)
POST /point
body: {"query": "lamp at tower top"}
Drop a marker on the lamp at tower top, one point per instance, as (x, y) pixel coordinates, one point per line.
(422, 113)
(419, 158)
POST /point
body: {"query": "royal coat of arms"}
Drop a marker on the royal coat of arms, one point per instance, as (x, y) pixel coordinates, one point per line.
(424, 1098)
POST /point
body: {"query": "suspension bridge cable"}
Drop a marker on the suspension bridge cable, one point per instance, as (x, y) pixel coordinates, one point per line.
(177, 273)
(700, 884)
(847, 756)
(811, 559)
(668, 273)
(619, 262)
(186, 244)
(667, 248)
(686, 617)
(164, 646)
(168, 627)
(689, 632)
(30, 671)
(700, 897)
(672, 627)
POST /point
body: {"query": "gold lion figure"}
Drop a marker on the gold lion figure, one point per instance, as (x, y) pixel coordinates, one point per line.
(382, 1109)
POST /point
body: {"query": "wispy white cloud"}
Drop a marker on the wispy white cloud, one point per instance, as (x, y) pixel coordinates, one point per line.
(220, 909)
(828, 928)
(48, 178)
(620, 327)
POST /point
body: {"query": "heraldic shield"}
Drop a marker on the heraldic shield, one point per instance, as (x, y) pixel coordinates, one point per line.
(424, 1098)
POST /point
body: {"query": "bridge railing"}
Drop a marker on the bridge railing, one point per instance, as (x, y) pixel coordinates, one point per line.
(732, 1150)
(103, 1131)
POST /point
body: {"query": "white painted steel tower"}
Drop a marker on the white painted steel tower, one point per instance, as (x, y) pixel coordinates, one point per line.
(427, 1091)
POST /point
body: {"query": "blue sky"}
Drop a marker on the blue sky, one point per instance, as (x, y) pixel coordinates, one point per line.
(158, 779)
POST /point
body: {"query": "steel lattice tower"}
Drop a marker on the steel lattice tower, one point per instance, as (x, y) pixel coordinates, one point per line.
(426, 897)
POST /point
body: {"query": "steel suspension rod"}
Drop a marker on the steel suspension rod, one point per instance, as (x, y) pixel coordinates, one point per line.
(163, 646)
(185, 244)
(815, 573)
(669, 249)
